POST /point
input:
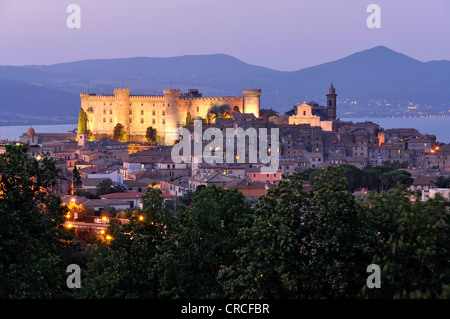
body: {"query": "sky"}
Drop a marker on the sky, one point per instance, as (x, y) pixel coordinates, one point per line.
(278, 34)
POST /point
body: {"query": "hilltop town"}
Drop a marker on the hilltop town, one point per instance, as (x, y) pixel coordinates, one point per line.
(311, 137)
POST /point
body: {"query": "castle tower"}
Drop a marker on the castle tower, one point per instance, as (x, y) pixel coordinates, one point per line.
(122, 106)
(331, 103)
(172, 118)
(252, 101)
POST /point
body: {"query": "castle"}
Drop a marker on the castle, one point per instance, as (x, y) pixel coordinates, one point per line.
(166, 113)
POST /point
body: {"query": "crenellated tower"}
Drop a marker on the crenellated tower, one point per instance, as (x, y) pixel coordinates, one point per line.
(122, 100)
(172, 117)
(252, 101)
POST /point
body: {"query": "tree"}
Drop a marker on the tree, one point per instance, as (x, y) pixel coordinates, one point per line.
(90, 135)
(32, 241)
(218, 111)
(82, 122)
(107, 186)
(395, 178)
(204, 235)
(119, 133)
(76, 177)
(188, 119)
(414, 248)
(313, 244)
(122, 265)
(151, 135)
(442, 182)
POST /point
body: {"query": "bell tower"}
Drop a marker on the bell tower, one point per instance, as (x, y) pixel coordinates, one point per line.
(331, 103)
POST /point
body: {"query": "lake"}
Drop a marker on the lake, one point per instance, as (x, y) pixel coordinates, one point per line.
(12, 133)
(439, 126)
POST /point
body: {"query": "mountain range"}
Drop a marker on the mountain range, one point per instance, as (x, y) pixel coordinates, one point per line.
(376, 82)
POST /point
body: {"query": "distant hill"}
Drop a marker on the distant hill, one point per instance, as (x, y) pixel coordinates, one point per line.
(30, 93)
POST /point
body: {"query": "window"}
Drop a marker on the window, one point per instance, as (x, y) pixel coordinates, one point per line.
(110, 120)
(198, 110)
(142, 120)
(154, 112)
(163, 113)
(104, 120)
(130, 120)
(153, 121)
(163, 121)
(104, 111)
(110, 111)
(131, 112)
(142, 112)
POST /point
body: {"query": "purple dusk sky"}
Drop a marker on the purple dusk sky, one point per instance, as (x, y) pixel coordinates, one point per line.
(281, 34)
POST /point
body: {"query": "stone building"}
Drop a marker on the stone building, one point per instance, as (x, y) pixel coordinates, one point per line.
(316, 115)
(166, 113)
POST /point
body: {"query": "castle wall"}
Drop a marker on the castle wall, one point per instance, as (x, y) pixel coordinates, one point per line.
(165, 112)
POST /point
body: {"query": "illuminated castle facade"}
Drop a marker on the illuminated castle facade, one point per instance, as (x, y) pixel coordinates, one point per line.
(166, 113)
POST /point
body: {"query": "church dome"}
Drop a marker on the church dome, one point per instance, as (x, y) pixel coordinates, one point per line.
(31, 132)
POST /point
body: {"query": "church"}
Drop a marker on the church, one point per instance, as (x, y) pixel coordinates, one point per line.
(316, 115)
